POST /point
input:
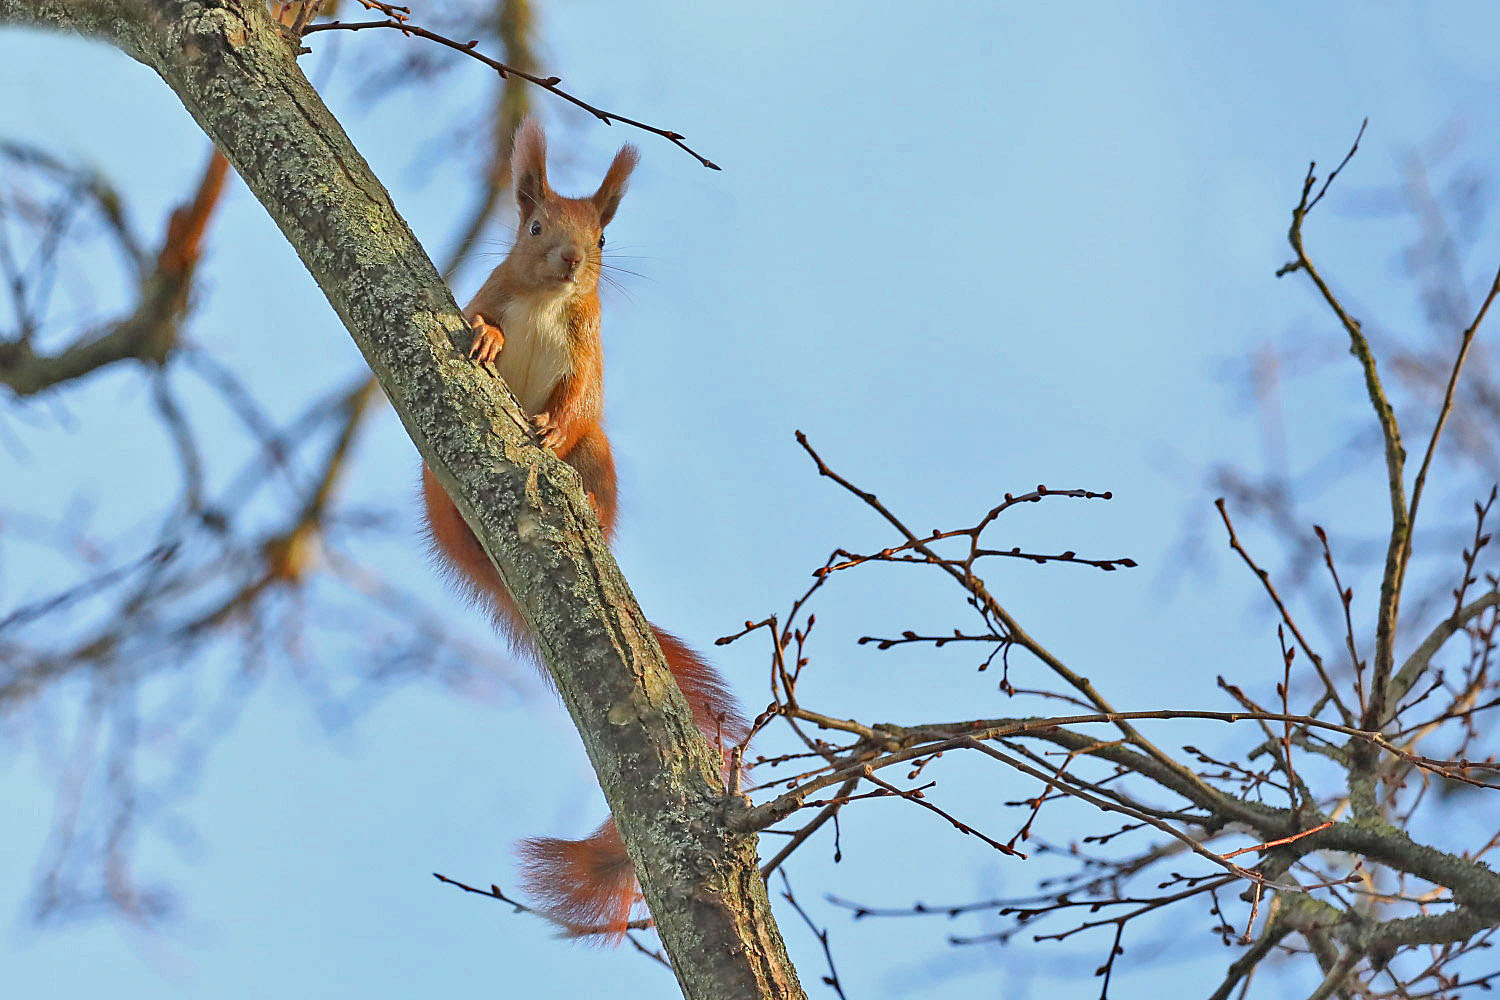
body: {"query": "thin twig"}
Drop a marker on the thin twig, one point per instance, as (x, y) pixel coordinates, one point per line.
(548, 83)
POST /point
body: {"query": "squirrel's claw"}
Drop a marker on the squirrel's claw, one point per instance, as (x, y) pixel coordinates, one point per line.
(488, 340)
(548, 432)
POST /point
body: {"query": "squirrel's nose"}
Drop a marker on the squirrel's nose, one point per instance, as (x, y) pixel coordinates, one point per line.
(572, 255)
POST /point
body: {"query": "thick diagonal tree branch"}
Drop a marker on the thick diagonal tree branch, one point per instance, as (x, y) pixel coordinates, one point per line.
(235, 71)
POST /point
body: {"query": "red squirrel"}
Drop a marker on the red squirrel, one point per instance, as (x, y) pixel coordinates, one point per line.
(536, 324)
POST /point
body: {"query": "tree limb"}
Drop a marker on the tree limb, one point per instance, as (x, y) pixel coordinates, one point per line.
(235, 71)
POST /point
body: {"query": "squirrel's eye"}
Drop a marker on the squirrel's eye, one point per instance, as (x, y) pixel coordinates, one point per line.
(536, 228)
(601, 243)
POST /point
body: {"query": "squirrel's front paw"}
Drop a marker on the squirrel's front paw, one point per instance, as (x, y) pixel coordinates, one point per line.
(549, 433)
(488, 339)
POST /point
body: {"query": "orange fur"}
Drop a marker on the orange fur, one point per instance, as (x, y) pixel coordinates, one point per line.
(586, 885)
(544, 297)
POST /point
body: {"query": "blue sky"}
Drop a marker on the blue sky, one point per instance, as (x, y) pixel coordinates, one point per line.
(967, 251)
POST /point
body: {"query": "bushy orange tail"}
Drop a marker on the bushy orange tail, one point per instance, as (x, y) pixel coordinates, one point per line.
(587, 886)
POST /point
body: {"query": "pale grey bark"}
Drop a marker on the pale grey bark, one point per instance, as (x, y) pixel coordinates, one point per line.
(236, 73)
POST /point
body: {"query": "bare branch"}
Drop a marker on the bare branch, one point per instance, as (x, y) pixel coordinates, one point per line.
(548, 83)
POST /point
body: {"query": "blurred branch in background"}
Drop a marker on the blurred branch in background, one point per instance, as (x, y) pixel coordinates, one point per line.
(142, 655)
(45, 216)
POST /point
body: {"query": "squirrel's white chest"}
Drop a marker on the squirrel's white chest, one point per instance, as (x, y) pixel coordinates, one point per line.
(535, 356)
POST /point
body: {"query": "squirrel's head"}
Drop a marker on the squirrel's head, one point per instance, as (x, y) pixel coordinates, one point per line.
(560, 241)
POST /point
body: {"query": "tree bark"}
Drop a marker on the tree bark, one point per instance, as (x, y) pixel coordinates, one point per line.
(236, 73)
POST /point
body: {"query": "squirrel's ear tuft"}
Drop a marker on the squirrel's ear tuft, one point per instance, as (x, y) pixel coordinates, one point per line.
(528, 166)
(612, 189)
